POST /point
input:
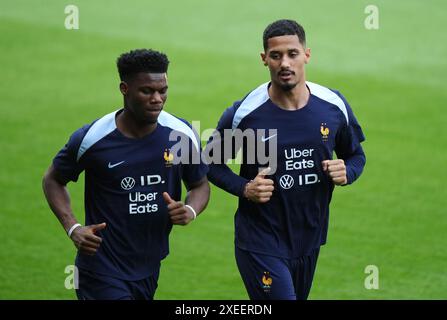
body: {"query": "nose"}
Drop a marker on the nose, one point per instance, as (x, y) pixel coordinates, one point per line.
(285, 62)
(156, 98)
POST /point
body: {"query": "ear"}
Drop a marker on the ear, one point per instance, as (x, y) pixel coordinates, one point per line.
(263, 58)
(307, 55)
(123, 88)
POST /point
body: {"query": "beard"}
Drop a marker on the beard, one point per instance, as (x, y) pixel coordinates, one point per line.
(287, 86)
(284, 86)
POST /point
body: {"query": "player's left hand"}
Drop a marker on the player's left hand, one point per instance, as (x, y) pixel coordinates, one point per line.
(178, 213)
(336, 169)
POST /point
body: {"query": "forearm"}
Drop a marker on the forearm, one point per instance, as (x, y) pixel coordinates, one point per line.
(198, 196)
(354, 165)
(218, 148)
(223, 177)
(58, 199)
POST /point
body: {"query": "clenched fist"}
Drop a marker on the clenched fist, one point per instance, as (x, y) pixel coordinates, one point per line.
(85, 240)
(336, 170)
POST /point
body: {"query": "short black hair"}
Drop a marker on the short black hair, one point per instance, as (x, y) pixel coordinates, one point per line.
(141, 60)
(284, 27)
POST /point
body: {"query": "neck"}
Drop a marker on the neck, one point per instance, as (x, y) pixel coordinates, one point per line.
(131, 128)
(293, 99)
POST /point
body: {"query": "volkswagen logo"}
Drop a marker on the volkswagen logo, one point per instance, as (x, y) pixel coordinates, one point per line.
(286, 181)
(127, 183)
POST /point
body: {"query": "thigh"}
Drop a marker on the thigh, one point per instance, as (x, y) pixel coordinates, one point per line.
(265, 277)
(304, 270)
(145, 289)
(93, 286)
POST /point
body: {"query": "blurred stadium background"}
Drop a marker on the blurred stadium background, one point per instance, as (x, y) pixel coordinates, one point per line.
(54, 80)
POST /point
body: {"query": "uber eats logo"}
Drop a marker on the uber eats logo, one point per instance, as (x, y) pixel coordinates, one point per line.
(141, 202)
(297, 160)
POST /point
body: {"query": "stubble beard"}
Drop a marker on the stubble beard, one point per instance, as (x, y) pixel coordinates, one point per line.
(286, 87)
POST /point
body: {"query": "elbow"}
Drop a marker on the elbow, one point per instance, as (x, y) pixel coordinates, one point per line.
(363, 160)
(45, 180)
(51, 178)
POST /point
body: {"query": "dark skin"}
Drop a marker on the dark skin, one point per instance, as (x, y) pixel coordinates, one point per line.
(56, 192)
(144, 97)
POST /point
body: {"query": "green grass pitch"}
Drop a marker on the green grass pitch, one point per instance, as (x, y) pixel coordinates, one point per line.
(54, 80)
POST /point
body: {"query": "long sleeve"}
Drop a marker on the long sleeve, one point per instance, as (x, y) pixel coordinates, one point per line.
(348, 145)
(219, 173)
(355, 164)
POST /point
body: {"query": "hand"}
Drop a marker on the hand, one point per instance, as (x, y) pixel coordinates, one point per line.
(260, 189)
(85, 240)
(336, 169)
(178, 213)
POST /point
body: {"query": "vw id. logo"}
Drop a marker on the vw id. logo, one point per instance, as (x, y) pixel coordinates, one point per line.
(286, 181)
(127, 183)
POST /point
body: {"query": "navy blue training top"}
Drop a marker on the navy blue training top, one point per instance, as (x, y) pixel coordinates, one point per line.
(295, 219)
(124, 182)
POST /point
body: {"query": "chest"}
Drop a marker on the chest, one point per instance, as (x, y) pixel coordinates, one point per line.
(294, 133)
(122, 164)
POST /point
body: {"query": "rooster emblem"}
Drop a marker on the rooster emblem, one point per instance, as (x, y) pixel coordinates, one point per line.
(169, 157)
(324, 131)
(266, 279)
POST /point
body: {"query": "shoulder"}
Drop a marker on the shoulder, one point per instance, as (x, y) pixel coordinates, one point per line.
(242, 108)
(85, 137)
(174, 123)
(331, 97)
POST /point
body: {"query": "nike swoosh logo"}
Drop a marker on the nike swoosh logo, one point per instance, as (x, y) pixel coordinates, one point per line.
(268, 138)
(115, 164)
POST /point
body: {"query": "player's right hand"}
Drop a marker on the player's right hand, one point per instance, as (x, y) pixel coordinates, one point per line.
(259, 189)
(85, 240)
(178, 212)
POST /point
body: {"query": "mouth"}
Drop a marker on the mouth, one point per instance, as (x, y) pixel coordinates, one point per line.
(285, 75)
(154, 110)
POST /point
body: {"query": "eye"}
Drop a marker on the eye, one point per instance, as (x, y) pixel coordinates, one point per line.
(275, 56)
(146, 90)
(293, 54)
